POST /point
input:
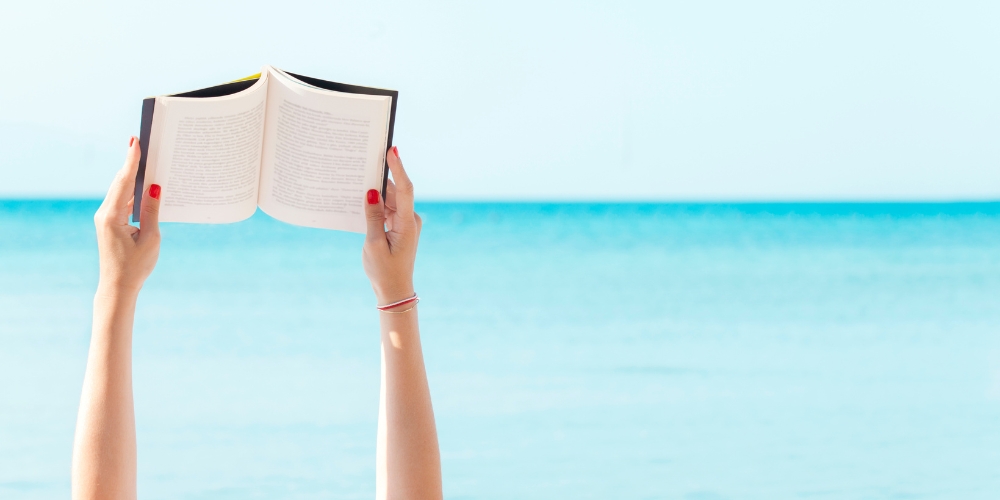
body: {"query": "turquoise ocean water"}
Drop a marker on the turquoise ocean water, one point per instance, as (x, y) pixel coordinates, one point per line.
(758, 351)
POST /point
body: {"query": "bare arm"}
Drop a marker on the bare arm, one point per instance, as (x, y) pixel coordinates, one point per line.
(104, 454)
(408, 463)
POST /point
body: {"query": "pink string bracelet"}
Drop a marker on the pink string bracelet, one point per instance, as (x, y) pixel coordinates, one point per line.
(398, 303)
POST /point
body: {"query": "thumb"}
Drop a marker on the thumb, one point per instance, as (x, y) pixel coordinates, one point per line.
(375, 215)
(149, 218)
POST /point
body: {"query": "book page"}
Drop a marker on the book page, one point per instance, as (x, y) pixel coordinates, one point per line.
(205, 153)
(323, 151)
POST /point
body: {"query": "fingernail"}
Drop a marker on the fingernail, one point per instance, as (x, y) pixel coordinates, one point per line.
(395, 151)
(131, 140)
(154, 191)
(372, 196)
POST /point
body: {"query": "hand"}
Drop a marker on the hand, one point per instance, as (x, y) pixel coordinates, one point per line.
(128, 254)
(393, 230)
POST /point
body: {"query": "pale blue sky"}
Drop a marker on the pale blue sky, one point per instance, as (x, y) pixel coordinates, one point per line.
(547, 100)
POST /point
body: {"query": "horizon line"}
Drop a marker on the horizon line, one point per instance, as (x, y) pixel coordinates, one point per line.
(616, 201)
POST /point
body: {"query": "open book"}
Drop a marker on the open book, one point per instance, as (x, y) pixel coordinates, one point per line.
(302, 149)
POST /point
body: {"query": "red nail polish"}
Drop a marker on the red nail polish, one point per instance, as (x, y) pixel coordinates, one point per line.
(395, 151)
(154, 191)
(131, 140)
(372, 196)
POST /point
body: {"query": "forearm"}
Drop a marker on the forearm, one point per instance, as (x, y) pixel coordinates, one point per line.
(409, 460)
(104, 450)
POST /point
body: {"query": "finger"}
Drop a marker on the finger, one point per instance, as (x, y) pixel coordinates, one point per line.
(390, 194)
(404, 188)
(149, 217)
(375, 215)
(123, 187)
(390, 204)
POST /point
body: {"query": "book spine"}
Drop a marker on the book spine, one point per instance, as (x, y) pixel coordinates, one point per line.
(145, 130)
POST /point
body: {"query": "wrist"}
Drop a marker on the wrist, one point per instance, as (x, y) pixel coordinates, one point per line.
(115, 290)
(394, 294)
